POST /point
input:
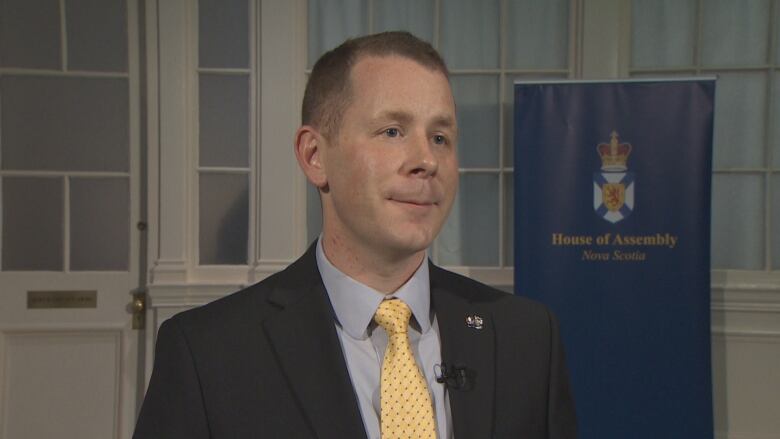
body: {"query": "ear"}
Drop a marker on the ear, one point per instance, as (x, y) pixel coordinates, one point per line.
(308, 147)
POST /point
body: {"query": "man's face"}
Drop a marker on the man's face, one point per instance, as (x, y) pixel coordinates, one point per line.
(392, 169)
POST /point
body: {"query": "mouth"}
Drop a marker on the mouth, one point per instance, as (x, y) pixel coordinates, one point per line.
(414, 203)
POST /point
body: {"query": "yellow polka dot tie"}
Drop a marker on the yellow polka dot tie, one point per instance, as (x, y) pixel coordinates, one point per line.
(407, 411)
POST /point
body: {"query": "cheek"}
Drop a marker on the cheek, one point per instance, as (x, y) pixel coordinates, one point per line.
(354, 182)
(448, 169)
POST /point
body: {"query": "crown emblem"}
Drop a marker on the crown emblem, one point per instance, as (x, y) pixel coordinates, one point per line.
(614, 154)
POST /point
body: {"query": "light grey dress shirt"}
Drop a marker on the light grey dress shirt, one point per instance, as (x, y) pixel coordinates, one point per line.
(364, 342)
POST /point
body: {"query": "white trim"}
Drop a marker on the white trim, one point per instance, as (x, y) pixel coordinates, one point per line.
(616, 80)
(730, 435)
(3, 389)
(69, 74)
(188, 295)
(739, 298)
(1, 241)
(745, 280)
(170, 137)
(223, 170)
(494, 72)
(736, 170)
(710, 68)
(166, 271)
(152, 145)
(225, 70)
(282, 190)
(63, 36)
(192, 185)
(746, 335)
(80, 174)
(254, 125)
(760, 288)
(134, 140)
(59, 327)
(66, 225)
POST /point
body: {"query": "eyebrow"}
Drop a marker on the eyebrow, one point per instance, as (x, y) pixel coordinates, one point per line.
(400, 116)
(443, 121)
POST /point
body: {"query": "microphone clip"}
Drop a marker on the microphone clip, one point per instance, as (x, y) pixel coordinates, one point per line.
(453, 376)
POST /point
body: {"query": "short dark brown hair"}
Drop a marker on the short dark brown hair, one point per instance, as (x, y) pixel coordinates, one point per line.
(328, 91)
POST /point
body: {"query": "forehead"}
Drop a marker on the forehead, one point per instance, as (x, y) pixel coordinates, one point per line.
(397, 78)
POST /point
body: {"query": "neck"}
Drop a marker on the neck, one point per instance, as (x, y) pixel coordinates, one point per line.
(382, 272)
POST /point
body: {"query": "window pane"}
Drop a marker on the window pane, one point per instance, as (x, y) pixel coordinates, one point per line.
(470, 235)
(735, 32)
(476, 98)
(775, 222)
(333, 21)
(509, 220)
(737, 221)
(415, 16)
(30, 34)
(224, 218)
(97, 35)
(224, 120)
(739, 120)
(66, 124)
(469, 33)
(223, 33)
(99, 223)
(538, 34)
(775, 122)
(32, 223)
(663, 31)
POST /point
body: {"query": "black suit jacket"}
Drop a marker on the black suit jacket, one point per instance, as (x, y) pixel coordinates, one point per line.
(266, 362)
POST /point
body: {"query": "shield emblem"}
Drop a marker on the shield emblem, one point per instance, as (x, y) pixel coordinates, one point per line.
(613, 195)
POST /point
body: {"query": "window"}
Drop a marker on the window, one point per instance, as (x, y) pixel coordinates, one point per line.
(226, 135)
(737, 41)
(69, 118)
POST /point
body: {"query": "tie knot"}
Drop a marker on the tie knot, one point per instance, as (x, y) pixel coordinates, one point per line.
(393, 315)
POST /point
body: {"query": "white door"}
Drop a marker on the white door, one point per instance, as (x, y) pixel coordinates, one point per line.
(71, 201)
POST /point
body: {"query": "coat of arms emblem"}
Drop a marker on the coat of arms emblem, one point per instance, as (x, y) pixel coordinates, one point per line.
(613, 187)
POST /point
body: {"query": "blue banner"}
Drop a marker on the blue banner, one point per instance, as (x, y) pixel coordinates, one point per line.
(612, 231)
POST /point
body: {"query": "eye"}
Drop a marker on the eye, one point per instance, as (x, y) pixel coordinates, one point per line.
(439, 139)
(392, 132)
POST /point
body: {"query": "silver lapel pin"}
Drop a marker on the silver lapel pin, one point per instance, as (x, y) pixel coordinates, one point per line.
(474, 321)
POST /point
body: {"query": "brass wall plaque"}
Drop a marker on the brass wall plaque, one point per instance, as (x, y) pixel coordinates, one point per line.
(61, 299)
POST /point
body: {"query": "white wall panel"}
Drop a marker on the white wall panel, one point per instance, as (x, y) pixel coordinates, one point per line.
(746, 384)
(60, 384)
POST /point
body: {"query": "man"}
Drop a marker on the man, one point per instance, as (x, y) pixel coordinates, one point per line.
(317, 350)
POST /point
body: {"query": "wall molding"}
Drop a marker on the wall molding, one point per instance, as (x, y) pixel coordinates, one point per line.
(744, 292)
(746, 335)
(188, 295)
(728, 435)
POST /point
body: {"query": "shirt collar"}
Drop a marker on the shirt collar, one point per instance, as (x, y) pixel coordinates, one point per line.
(355, 303)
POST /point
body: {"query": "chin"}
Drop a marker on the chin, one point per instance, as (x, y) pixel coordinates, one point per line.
(413, 242)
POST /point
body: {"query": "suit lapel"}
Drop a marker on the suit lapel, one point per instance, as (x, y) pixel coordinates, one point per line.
(472, 405)
(306, 345)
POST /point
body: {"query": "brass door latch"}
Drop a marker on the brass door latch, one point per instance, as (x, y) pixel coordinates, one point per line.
(139, 310)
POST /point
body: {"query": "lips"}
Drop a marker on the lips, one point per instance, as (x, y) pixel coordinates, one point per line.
(415, 202)
(426, 196)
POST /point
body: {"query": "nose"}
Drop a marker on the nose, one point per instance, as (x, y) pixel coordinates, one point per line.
(422, 160)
